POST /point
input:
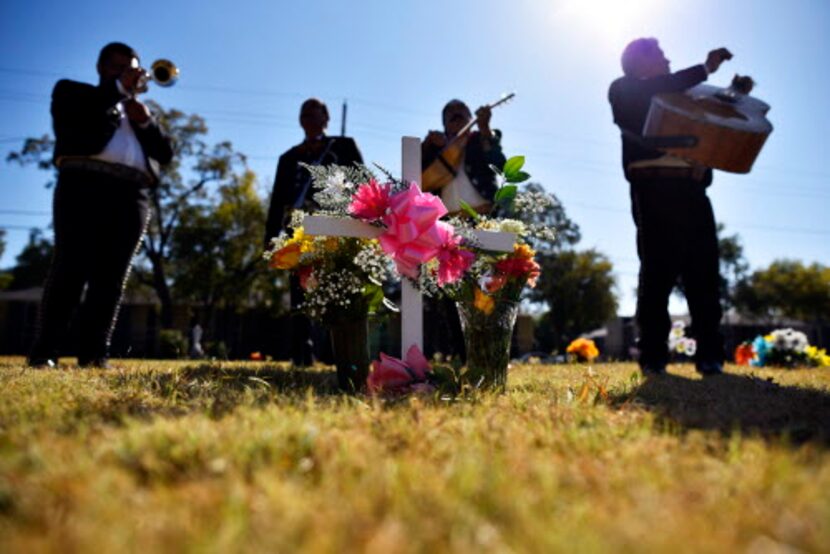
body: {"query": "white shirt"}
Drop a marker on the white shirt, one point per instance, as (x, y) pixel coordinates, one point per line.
(123, 148)
(460, 188)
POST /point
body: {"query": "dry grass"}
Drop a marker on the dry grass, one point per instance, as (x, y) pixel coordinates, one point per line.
(170, 456)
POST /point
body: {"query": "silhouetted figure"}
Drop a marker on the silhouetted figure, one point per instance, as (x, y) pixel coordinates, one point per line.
(293, 190)
(676, 234)
(107, 148)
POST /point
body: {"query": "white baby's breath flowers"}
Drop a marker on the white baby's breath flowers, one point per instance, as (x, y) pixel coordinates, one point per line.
(334, 290)
(372, 260)
(503, 225)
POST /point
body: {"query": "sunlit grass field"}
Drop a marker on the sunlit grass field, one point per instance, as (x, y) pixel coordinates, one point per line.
(157, 456)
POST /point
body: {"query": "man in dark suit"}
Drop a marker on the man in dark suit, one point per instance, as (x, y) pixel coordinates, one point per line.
(676, 236)
(108, 149)
(293, 190)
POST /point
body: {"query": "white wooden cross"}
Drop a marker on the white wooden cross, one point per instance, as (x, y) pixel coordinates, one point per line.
(412, 312)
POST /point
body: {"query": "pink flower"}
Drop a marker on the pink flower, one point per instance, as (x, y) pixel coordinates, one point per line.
(412, 236)
(452, 260)
(399, 376)
(371, 201)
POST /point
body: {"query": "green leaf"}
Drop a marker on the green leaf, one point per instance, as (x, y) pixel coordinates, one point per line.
(469, 210)
(374, 297)
(512, 166)
(506, 194)
(518, 177)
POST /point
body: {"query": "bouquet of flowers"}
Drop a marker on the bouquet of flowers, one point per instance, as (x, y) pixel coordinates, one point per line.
(340, 276)
(487, 285)
(583, 350)
(679, 343)
(480, 277)
(781, 348)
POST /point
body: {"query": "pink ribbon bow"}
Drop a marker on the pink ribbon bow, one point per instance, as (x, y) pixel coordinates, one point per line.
(412, 236)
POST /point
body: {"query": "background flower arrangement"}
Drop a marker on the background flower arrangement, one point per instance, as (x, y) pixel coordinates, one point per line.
(679, 343)
(781, 348)
(583, 350)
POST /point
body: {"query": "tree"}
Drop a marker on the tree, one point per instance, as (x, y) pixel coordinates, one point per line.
(787, 289)
(5, 276)
(733, 266)
(176, 192)
(216, 249)
(554, 217)
(32, 263)
(578, 287)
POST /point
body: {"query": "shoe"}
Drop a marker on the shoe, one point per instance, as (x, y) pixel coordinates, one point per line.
(651, 370)
(41, 363)
(708, 369)
(94, 363)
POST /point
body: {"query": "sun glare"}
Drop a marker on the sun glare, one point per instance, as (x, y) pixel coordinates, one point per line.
(609, 20)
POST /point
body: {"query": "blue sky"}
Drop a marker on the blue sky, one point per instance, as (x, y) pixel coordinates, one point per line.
(246, 67)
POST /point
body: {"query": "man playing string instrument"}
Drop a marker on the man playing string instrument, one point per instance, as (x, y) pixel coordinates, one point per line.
(676, 234)
(474, 182)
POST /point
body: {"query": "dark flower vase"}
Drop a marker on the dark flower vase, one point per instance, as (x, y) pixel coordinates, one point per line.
(487, 341)
(350, 345)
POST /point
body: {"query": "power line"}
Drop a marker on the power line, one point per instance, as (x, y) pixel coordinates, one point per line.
(25, 212)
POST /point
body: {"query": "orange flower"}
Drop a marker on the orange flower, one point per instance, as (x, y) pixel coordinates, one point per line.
(286, 257)
(744, 354)
(583, 349)
(520, 265)
(523, 251)
(256, 356)
(483, 302)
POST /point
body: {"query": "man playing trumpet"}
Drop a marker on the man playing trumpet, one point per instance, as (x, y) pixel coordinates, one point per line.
(108, 149)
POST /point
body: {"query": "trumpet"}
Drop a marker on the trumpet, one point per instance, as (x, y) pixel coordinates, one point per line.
(162, 72)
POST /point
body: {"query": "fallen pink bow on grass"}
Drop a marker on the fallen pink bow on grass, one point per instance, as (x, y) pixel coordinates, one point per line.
(371, 201)
(391, 375)
(412, 236)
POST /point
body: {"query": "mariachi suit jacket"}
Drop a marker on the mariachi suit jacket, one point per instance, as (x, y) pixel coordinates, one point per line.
(291, 178)
(85, 117)
(477, 162)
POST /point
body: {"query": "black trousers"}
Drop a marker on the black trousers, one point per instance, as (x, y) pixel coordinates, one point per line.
(99, 223)
(677, 244)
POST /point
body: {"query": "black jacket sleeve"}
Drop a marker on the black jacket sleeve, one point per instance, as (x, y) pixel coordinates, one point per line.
(155, 142)
(84, 117)
(675, 82)
(352, 151)
(281, 196)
